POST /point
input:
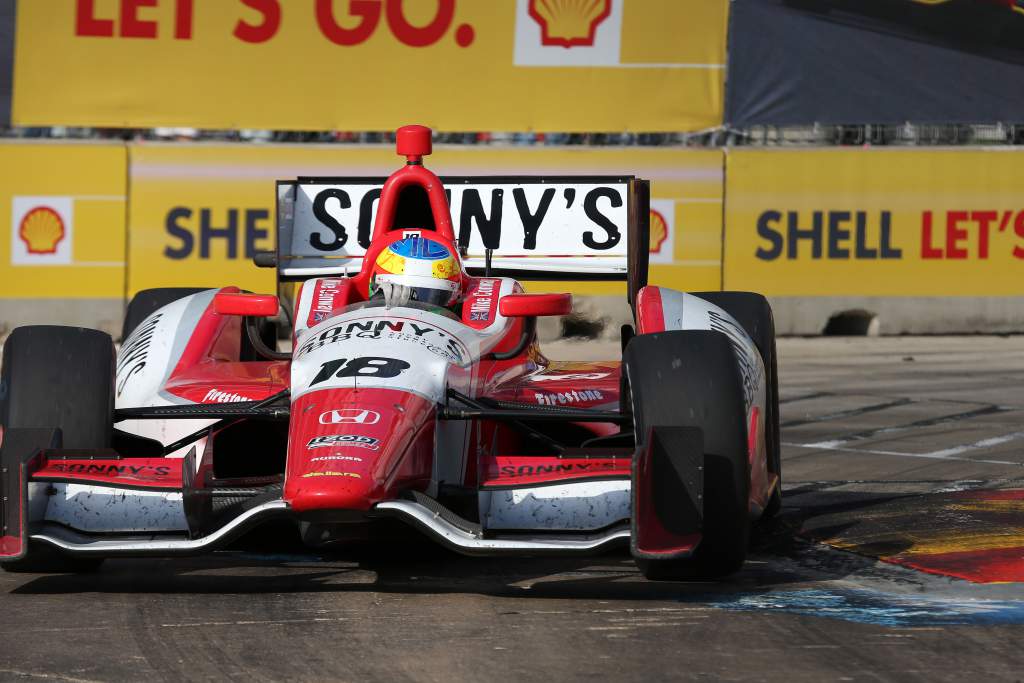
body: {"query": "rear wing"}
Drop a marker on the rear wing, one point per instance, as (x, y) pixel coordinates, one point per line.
(528, 227)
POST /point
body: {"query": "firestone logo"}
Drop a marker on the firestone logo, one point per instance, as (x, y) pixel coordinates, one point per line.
(350, 416)
(569, 23)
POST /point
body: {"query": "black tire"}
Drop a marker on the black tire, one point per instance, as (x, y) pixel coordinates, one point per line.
(690, 378)
(754, 314)
(59, 377)
(148, 301)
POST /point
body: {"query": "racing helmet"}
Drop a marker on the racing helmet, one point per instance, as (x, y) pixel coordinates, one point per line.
(417, 268)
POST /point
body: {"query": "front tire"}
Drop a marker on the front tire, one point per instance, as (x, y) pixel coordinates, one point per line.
(754, 314)
(59, 377)
(690, 378)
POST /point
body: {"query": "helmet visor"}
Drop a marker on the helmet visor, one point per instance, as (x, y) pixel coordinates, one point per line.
(428, 295)
(427, 290)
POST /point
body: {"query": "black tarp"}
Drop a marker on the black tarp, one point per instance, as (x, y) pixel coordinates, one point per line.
(7, 15)
(797, 62)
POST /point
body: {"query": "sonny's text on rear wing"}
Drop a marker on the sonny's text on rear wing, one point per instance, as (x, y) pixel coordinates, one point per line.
(565, 227)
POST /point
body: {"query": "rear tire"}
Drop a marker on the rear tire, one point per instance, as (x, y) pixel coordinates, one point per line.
(754, 314)
(60, 377)
(690, 378)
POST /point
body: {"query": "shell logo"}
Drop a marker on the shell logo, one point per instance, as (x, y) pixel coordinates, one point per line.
(659, 232)
(42, 229)
(569, 23)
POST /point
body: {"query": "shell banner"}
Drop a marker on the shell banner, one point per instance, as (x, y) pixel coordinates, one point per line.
(65, 220)
(892, 222)
(198, 212)
(455, 65)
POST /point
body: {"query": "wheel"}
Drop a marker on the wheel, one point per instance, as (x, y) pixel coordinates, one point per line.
(148, 301)
(690, 378)
(754, 314)
(59, 377)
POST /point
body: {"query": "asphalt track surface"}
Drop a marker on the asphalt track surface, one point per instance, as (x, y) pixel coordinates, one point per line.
(908, 449)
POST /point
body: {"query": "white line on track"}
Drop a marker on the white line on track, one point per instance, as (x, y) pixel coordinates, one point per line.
(984, 443)
(945, 454)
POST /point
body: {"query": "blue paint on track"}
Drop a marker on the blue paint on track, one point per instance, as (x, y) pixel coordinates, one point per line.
(880, 609)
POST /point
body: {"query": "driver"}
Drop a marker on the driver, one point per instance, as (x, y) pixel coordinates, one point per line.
(416, 268)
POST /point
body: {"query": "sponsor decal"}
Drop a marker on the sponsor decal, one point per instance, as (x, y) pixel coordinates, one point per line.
(663, 218)
(201, 230)
(214, 396)
(41, 231)
(111, 470)
(350, 416)
(261, 21)
(737, 339)
(481, 301)
(134, 353)
(323, 458)
(569, 23)
(323, 300)
(351, 475)
(569, 468)
(435, 340)
(659, 232)
(570, 376)
(568, 33)
(520, 220)
(344, 440)
(846, 234)
(562, 398)
(378, 368)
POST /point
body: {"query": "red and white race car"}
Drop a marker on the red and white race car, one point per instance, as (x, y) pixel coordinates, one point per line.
(449, 421)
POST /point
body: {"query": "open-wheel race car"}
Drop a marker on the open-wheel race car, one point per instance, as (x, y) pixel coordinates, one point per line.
(415, 395)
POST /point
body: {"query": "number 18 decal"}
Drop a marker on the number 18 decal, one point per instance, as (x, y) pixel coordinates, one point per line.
(383, 368)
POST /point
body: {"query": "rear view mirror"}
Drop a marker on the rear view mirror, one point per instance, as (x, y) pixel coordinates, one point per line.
(533, 305)
(255, 305)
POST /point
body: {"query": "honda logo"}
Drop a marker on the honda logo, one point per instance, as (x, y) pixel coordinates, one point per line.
(350, 416)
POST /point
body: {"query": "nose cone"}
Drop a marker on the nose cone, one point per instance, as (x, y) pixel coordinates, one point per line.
(349, 449)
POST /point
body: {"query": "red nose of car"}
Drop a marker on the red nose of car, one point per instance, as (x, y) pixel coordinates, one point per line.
(352, 448)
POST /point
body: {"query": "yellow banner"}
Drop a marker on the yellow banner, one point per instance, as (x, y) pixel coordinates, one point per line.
(198, 212)
(856, 222)
(456, 65)
(62, 213)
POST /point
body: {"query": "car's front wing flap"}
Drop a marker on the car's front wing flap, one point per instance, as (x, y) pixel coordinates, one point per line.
(19, 453)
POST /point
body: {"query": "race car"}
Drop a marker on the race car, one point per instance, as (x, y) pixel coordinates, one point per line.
(415, 393)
